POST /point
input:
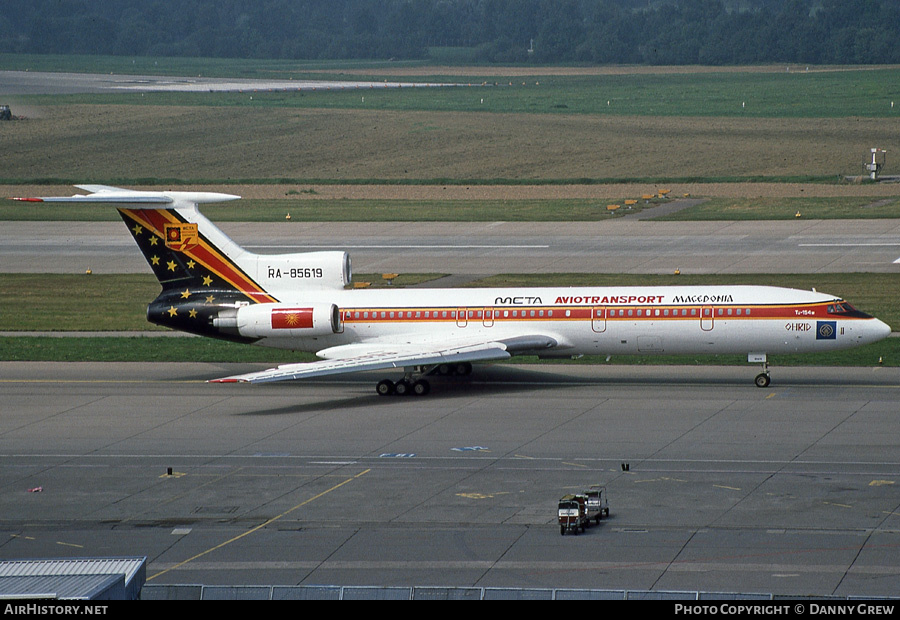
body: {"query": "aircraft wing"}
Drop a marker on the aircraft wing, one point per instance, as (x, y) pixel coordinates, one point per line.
(360, 357)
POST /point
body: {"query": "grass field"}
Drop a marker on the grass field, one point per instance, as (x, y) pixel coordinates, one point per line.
(565, 126)
(348, 210)
(772, 92)
(116, 144)
(488, 210)
(789, 208)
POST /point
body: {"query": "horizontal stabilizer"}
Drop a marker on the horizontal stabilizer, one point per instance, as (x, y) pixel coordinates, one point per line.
(136, 198)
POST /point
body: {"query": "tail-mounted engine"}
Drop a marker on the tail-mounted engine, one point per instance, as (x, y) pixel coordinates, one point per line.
(277, 273)
(279, 320)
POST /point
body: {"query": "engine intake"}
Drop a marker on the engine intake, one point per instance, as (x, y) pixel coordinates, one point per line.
(304, 271)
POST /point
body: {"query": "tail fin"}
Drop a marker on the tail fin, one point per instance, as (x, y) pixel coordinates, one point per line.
(182, 247)
(201, 270)
(197, 265)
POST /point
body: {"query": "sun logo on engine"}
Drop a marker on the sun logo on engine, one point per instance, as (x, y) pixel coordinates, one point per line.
(292, 318)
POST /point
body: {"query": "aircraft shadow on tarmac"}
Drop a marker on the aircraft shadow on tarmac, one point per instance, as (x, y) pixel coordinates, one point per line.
(485, 380)
(362, 393)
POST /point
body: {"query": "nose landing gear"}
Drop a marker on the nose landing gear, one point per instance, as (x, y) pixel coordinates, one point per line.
(762, 379)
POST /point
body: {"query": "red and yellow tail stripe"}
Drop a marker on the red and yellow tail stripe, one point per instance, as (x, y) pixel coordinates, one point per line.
(181, 236)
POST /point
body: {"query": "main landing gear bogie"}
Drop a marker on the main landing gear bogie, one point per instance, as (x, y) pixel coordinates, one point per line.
(410, 385)
(404, 387)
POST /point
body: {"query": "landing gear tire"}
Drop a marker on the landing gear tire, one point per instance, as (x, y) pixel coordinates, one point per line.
(762, 380)
(402, 388)
(463, 369)
(460, 369)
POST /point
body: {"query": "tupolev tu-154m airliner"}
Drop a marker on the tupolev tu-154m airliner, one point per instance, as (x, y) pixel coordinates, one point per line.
(301, 301)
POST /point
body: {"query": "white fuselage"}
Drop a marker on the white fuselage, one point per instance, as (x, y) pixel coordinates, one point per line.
(588, 320)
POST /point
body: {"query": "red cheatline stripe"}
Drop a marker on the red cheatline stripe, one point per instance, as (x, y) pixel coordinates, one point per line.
(648, 313)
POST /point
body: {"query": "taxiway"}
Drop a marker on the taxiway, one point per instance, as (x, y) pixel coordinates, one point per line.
(475, 248)
(49, 83)
(729, 488)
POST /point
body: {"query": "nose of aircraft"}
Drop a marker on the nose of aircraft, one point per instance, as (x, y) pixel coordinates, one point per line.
(879, 330)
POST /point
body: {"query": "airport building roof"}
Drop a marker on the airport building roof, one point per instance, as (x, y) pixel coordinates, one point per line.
(73, 578)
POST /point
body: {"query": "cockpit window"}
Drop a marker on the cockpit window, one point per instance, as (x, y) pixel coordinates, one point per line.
(842, 308)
